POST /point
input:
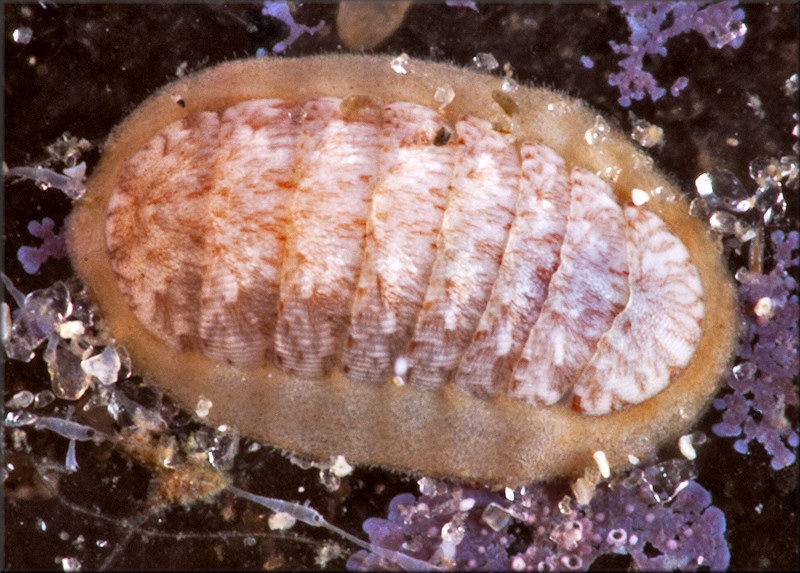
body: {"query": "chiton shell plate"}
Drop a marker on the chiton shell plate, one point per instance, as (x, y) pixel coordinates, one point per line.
(341, 265)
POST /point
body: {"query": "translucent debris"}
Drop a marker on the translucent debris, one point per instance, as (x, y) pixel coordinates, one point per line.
(104, 366)
(645, 133)
(699, 208)
(43, 399)
(665, 480)
(453, 531)
(327, 553)
(68, 380)
(41, 311)
(18, 419)
(754, 102)
(568, 534)
(745, 371)
(723, 222)
(587, 62)
(565, 505)
(509, 85)
(790, 169)
(68, 150)
(21, 399)
(743, 231)
(428, 486)
(330, 480)
(495, 516)
(203, 407)
(485, 61)
(400, 64)
(721, 189)
(597, 133)
(764, 168)
(444, 95)
(71, 564)
(770, 202)
(790, 86)
(22, 35)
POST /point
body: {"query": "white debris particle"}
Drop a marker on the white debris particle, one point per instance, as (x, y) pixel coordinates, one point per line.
(203, 407)
(327, 553)
(686, 447)
(5, 323)
(341, 468)
(399, 64)
(639, 197)
(70, 564)
(634, 460)
(602, 463)
(281, 521)
(763, 307)
(70, 329)
(509, 494)
(400, 366)
(518, 563)
(466, 504)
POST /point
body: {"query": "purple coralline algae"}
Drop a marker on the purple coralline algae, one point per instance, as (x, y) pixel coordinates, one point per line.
(720, 24)
(280, 11)
(660, 523)
(53, 246)
(762, 384)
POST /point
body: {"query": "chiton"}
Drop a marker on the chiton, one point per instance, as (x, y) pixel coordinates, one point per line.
(341, 264)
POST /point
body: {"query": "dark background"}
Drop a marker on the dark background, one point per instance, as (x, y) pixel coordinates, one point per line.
(95, 63)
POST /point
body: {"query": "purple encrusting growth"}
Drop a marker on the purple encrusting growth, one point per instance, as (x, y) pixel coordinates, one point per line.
(720, 24)
(763, 383)
(53, 246)
(280, 11)
(542, 531)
